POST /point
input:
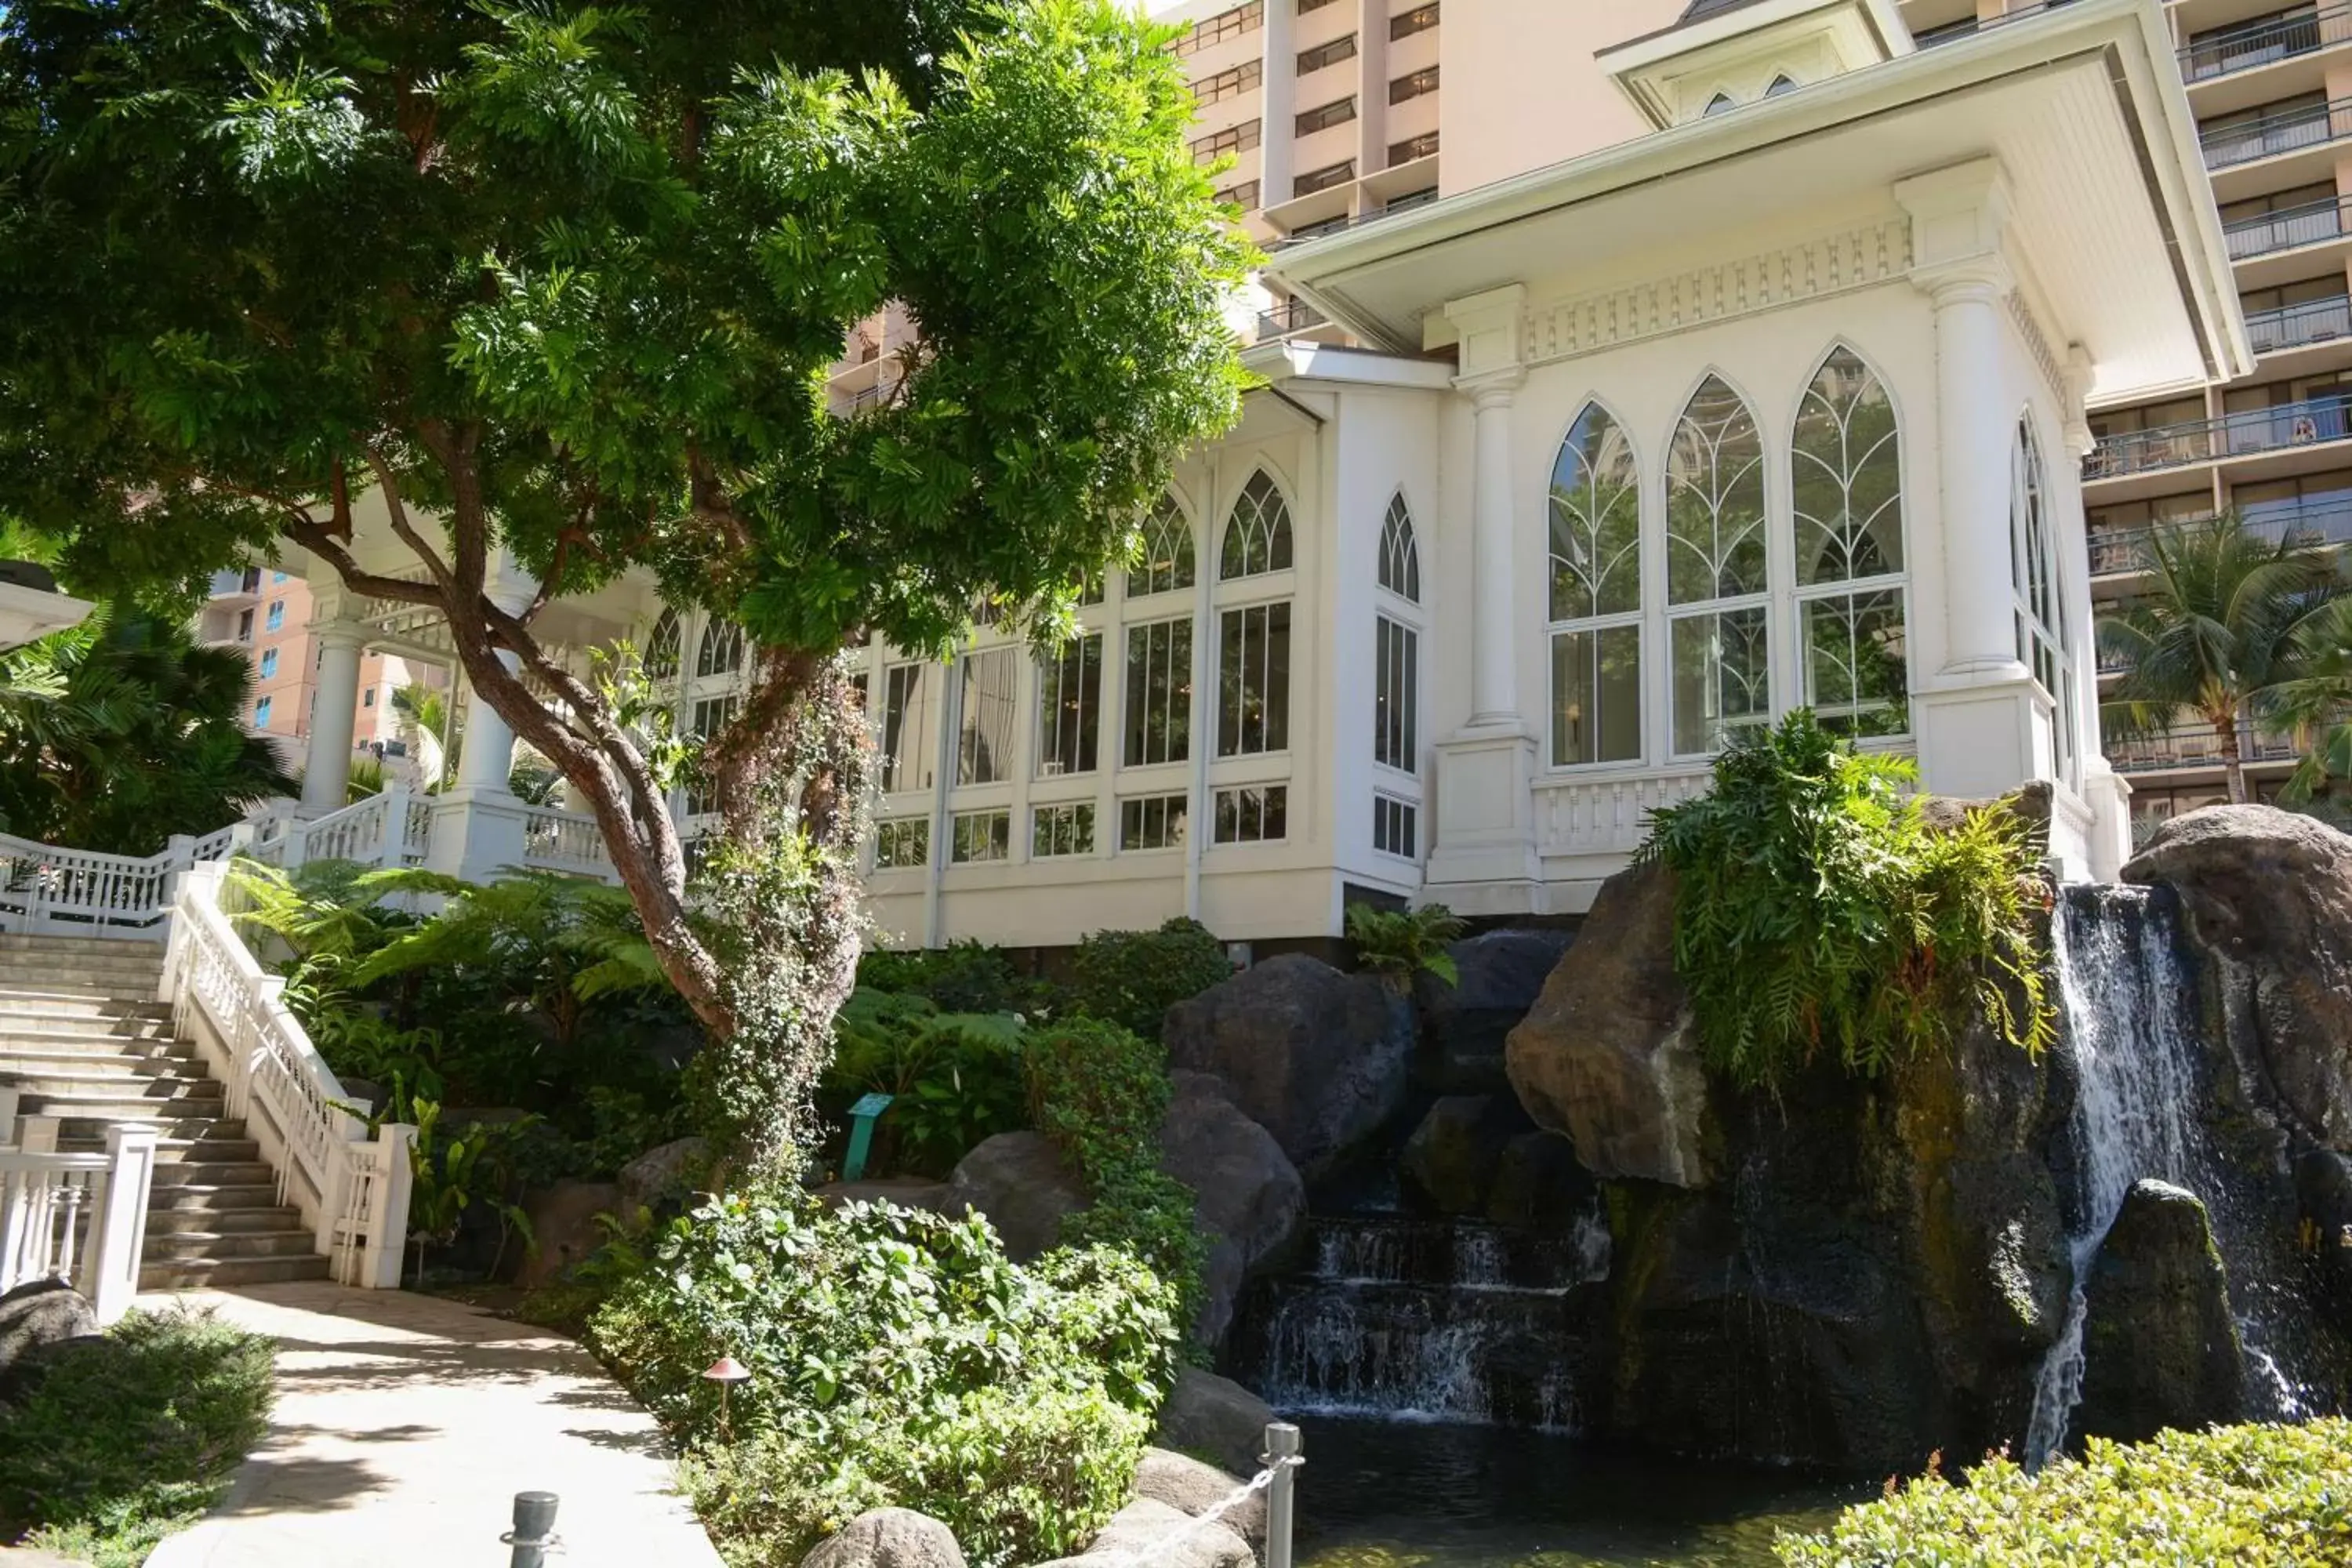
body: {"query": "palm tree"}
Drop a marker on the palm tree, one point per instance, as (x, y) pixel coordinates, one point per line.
(2222, 633)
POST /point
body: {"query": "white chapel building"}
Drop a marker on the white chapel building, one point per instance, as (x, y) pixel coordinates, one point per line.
(1779, 402)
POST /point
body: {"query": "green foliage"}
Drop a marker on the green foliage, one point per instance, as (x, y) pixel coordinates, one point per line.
(1405, 943)
(1132, 977)
(118, 733)
(956, 1076)
(451, 1174)
(962, 977)
(1100, 1092)
(1816, 910)
(2254, 1497)
(123, 1441)
(897, 1357)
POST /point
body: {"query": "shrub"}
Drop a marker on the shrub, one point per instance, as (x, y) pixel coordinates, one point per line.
(1403, 942)
(1816, 909)
(133, 1437)
(965, 976)
(1132, 977)
(1100, 1092)
(897, 1357)
(955, 1078)
(2255, 1496)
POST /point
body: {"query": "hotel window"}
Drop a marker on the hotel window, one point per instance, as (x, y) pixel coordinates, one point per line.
(710, 716)
(1069, 706)
(1422, 146)
(1064, 829)
(1253, 679)
(1167, 564)
(276, 620)
(986, 715)
(1405, 24)
(261, 714)
(1237, 139)
(2042, 643)
(1258, 814)
(1306, 5)
(1412, 85)
(1718, 626)
(1152, 822)
(1399, 554)
(1216, 29)
(1158, 693)
(1846, 480)
(1244, 195)
(1395, 826)
(1596, 595)
(269, 662)
(901, 842)
(245, 626)
(1258, 534)
(367, 698)
(1339, 111)
(662, 647)
(1232, 83)
(1330, 54)
(908, 733)
(980, 836)
(275, 577)
(721, 650)
(1324, 178)
(1396, 699)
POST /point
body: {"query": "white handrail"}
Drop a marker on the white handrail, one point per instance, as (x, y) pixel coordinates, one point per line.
(353, 1189)
(563, 840)
(77, 1217)
(82, 892)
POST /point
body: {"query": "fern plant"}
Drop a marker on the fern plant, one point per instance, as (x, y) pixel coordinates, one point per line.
(1403, 942)
(1815, 910)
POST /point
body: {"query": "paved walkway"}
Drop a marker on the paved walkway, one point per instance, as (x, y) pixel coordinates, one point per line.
(404, 1427)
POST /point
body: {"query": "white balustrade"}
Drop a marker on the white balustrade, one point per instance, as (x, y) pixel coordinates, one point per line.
(564, 841)
(352, 1188)
(82, 892)
(1608, 815)
(79, 1217)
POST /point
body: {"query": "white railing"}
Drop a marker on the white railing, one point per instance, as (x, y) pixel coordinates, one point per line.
(82, 1218)
(82, 892)
(1612, 815)
(563, 841)
(387, 829)
(352, 1189)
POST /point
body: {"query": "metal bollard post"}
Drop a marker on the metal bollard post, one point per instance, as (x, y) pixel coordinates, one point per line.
(533, 1535)
(1281, 1457)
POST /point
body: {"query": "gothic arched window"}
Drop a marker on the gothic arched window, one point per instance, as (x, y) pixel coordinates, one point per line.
(721, 650)
(1167, 564)
(1719, 626)
(1596, 595)
(1399, 554)
(1846, 503)
(662, 648)
(1258, 534)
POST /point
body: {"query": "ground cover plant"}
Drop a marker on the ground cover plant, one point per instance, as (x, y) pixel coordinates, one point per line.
(124, 1441)
(2254, 1497)
(1816, 909)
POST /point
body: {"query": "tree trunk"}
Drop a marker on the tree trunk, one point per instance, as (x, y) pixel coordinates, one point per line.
(2233, 758)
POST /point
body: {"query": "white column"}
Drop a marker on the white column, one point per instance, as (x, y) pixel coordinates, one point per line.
(1975, 431)
(485, 756)
(1494, 686)
(327, 772)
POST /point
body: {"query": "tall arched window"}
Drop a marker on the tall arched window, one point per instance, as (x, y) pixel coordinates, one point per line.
(1257, 535)
(662, 648)
(1718, 626)
(1596, 595)
(1399, 554)
(721, 650)
(2044, 645)
(1167, 564)
(1846, 503)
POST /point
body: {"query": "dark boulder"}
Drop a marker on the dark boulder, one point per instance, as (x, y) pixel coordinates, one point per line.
(1609, 1054)
(1539, 1185)
(2159, 1343)
(34, 1316)
(1248, 1198)
(1214, 1419)
(889, 1538)
(566, 1229)
(1020, 1181)
(1149, 1532)
(1464, 1025)
(1319, 1058)
(2267, 897)
(1455, 1153)
(665, 1174)
(1192, 1487)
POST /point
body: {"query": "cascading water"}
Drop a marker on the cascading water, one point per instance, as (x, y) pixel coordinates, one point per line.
(2141, 1080)
(1426, 1319)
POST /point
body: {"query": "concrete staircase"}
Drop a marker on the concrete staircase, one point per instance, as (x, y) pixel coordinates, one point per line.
(83, 1040)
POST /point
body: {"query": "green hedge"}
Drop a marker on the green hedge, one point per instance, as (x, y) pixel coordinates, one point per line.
(2253, 1496)
(1132, 977)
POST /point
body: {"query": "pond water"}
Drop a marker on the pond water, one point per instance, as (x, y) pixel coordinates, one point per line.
(1398, 1494)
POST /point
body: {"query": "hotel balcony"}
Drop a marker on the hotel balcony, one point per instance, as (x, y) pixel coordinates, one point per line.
(2195, 748)
(2267, 41)
(2290, 145)
(2315, 422)
(2124, 552)
(2300, 326)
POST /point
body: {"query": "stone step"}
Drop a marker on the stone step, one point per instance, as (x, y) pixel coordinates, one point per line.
(172, 1246)
(87, 1135)
(179, 1223)
(131, 1057)
(152, 1082)
(200, 1199)
(37, 997)
(81, 979)
(79, 1015)
(15, 942)
(206, 1174)
(92, 1104)
(203, 1273)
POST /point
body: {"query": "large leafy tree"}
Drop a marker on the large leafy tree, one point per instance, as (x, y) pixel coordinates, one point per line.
(119, 732)
(2223, 633)
(560, 279)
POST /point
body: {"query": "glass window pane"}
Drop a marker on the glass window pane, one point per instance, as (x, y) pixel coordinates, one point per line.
(1167, 564)
(1253, 679)
(1258, 534)
(1715, 499)
(1856, 679)
(1159, 720)
(1400, 554)
(990, 688)
(1070, 707)
(1721, 680)
(1847, 476)
(1065, 829)
(908, 734)
(1152, 822)
(1596, 696)
(1396, 699)
(1596, 521)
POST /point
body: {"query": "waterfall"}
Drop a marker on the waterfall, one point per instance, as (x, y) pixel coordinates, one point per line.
(1425, 1320)
(2132, 1022)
